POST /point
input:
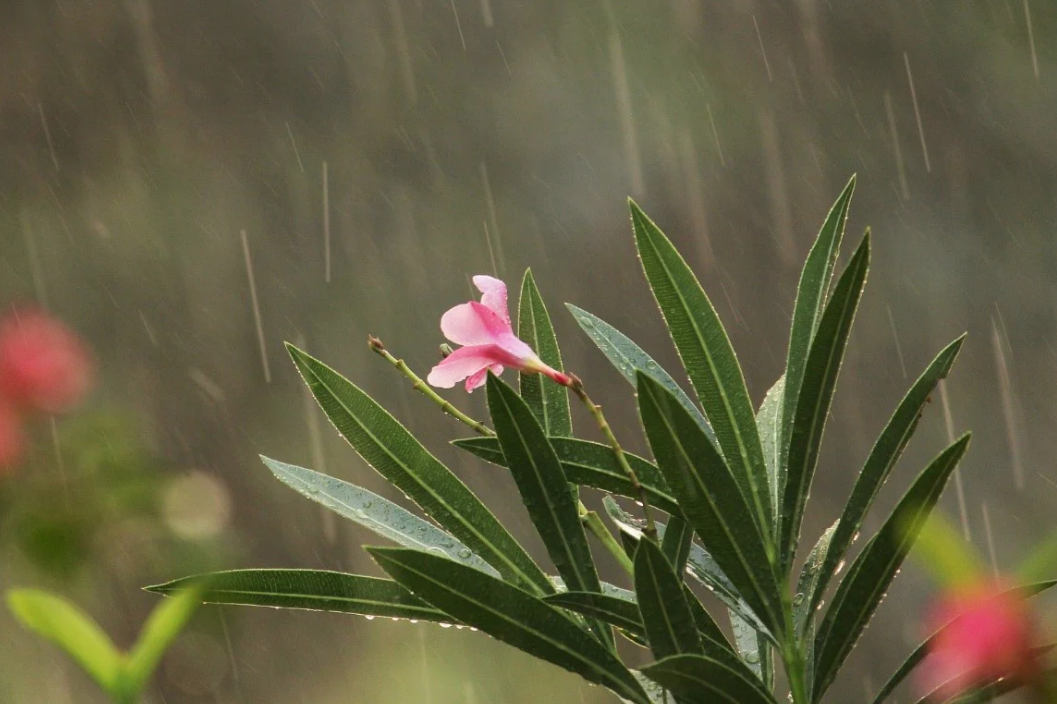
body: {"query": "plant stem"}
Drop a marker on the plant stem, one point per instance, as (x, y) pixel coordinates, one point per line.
(792, 655)
(422, 387)
(650, 532)
(591, 520)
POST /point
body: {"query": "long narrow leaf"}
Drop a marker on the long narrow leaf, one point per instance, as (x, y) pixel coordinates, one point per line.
(544, 488)
(754, 649)
(548, 401)
(676, 544)
(870, 575)
(509, 614)
(616, 612)
(711, 499)
(313, 590)
(164, 625)
(698, 679)
(590, 464)
(628, 358)
(807, 312)
(886, 451)
(670, 625)
(374, 512)
(768, 419)
(803, 611)
(710, 361)
(395, 453)
(816, 395)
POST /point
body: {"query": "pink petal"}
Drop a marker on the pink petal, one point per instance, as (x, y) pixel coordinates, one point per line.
(473, 324)
(494, 295)
(462, 363)
(478, 379)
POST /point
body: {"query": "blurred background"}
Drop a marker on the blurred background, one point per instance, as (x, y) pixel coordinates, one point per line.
(189, 183)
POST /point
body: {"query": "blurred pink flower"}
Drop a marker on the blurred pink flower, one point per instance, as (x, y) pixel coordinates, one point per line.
(12, 441)
(488, 340)
(984, 634)
(43, 365)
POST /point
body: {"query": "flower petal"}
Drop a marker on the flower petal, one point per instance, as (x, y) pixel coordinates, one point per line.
(473, 324)
(476, 380)
(463, 362)
(493, 295)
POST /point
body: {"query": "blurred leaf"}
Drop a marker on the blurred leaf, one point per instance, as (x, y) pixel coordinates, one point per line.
(313, 590)
(816, 396)
(713, 368)
(922, 650)
(546, 493)
(57, 620)
(670, 626)
(589, 464)
(767, 424)
(886, 451)
(549, 401)
(375, 512)
(387, 446)
(509, 614)
(698, 679)
(163, 626)
(628, 358)
(711, 499)
(866, 583)
(807, 312)
(614, 611)
(676, 544)
(943, 552)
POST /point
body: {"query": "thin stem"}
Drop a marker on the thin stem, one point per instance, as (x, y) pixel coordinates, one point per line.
(577, 387)
(422, 387)
(593, 523)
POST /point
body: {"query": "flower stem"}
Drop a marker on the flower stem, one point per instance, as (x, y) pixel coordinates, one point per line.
(422, 387)
(577, 386)
(593, 523)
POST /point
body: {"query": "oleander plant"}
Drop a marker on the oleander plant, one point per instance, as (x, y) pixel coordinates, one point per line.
(718, 507)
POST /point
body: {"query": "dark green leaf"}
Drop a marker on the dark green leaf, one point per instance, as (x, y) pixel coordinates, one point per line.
(676, 544)
(628, 358)
(767, 421)
(670, 625)
(57, 620)
(614, 611)
(711, 499)
(866, 583)
(315, 590)
(886, 451)
(710, 361)
(919, 653)
(548, 401)
(388, 447)
(807, 312)
(544, 488)
(698, 679)
(509, 614)
(816, 395)
(374, 512)
(589, 464)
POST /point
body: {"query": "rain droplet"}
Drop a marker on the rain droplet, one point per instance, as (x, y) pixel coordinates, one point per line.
(752, 657)
(445, 625)
(465, 553)
(798, 600)
(368, 504)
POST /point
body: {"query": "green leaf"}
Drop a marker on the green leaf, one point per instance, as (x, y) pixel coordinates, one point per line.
(676, 544)
(803, 611)
(589, 464)
(544, 488)
(711, 499)
(699, 679)
(807, 312)
(628, 358)
(870, 575)
(710, 361)
(754, 649)
(886, 451)
(509, 614)
(387, 446)
(767, 424)
(816, 395)
(376, 513)
(922, 650)
(314, 590)
(700, 564)
(614, 611)
(670, 625)
(548, 401)
(57, 620)
(163, 626)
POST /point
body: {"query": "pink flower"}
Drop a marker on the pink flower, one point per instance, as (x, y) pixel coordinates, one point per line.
(985, 633)
(43, 364)
(488, 340)
(12, 441)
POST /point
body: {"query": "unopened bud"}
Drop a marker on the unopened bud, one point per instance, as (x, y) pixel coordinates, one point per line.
(445, 350)
(375, 344)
